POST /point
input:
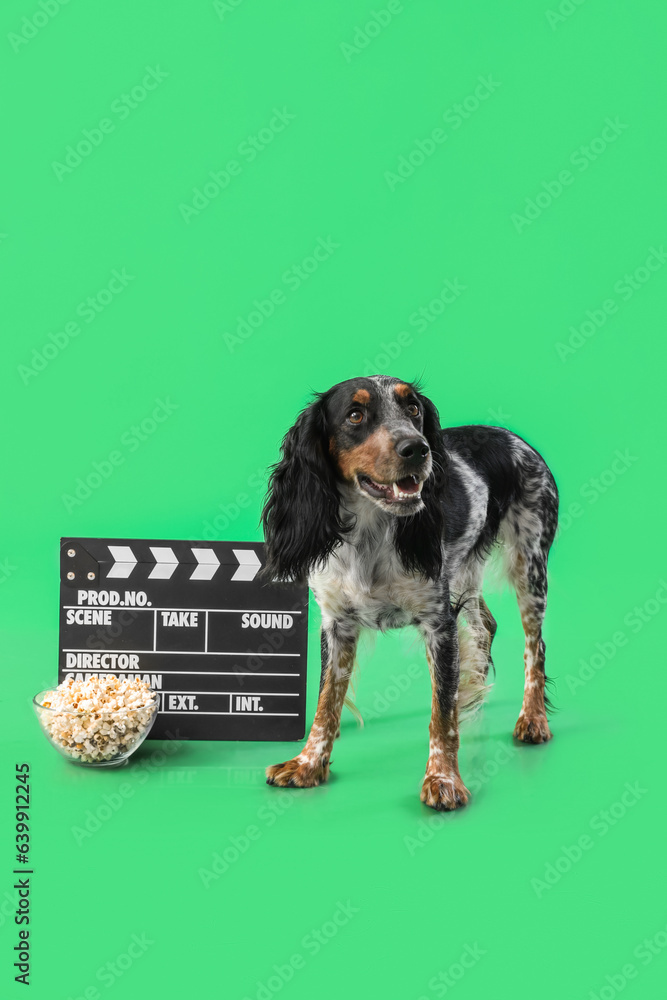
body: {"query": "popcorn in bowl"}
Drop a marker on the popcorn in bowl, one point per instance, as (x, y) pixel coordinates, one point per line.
(99, 721)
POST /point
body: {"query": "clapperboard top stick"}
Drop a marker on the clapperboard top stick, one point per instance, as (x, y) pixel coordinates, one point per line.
(226, 651)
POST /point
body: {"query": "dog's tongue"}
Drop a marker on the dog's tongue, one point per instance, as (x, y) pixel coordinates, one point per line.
(408, 484)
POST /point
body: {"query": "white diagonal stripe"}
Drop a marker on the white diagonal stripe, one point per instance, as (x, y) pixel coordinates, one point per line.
(125, 561)
(208, 564)
(249, 564)
(165, 563)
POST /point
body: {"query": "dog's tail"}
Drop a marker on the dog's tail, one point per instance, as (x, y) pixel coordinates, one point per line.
(474, 660)
(474, 666)
(351, 707)
(348, 701)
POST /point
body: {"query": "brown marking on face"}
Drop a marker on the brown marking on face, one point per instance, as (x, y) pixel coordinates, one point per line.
(375, 457)
(403, 390)
(362, 396)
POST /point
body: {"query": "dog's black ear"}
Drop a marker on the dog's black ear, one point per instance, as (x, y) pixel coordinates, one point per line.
(301, 516)
(419, 539)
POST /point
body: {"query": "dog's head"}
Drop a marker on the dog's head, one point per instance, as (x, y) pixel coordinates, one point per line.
(377, 442)
(377, 439)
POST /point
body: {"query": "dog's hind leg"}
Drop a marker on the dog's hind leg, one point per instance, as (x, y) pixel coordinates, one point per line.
(528, 534)
(532, 725)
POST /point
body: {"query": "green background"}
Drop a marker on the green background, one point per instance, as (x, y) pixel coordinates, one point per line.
(489, 356)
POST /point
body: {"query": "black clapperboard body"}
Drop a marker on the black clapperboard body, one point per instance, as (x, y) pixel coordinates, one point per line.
(226, 652)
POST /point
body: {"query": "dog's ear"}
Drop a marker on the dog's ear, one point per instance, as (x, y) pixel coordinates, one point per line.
(301, 516)
(433, 434)
(419, 539)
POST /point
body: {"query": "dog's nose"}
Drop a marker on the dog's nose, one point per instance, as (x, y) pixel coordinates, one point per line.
(412, 450)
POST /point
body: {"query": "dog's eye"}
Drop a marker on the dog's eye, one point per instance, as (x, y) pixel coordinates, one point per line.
(413, 409)
(356, 417)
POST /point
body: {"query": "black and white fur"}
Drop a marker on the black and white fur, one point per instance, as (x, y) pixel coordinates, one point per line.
(378, 558)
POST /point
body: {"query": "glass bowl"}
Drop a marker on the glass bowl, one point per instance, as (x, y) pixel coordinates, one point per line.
(95, 738)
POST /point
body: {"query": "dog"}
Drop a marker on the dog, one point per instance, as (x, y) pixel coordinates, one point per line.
(391, 520)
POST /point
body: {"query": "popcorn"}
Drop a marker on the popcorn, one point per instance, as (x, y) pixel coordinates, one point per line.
(110, 716)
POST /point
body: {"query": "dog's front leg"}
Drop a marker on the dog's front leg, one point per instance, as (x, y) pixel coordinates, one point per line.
(311, 766)
(442, 787)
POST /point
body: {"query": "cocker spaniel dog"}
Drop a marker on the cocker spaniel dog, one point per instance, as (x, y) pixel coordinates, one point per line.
(391, 519)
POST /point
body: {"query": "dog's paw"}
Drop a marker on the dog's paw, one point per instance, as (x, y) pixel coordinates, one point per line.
(532, 729)
(298, 773)
(444, 792)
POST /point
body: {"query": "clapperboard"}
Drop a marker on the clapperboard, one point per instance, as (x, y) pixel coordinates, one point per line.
(226, 652)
